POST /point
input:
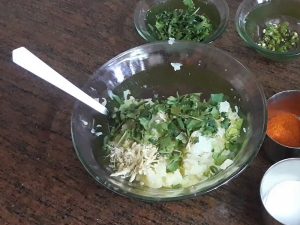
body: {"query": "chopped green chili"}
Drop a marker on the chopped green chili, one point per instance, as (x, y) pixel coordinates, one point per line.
(279, 38)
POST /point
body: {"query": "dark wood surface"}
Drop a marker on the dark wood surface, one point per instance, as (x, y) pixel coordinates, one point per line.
(41, 179)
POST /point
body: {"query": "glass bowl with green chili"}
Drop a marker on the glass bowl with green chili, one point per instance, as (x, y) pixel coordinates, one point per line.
(192, 20)
(271, 27)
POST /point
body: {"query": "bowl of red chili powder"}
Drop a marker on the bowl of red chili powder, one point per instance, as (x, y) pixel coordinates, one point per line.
(283, 129)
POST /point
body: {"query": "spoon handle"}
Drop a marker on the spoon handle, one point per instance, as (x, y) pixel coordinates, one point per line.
(24, 58)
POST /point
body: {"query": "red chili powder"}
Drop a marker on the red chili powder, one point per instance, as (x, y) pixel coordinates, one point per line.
(284, 128)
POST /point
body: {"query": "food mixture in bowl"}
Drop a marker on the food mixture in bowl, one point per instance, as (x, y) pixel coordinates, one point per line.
(187, 155)
(173, 142)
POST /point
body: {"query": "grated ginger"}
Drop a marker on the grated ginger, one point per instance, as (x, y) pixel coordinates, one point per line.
(132, 159)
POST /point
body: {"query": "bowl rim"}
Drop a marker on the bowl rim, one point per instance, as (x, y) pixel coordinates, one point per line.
(249, 41)
(200, 192)
(283, 161)
(215, 35)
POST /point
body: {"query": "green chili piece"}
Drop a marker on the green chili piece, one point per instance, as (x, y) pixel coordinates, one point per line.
(279, 38)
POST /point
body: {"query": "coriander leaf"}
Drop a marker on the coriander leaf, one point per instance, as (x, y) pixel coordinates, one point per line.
(194, 125)
(144, 122)
(225, 123)
(233, 147)
(215, 112)
(161, 127)
(210, 126)
(173, 129)
(173, 163)
(166, 145)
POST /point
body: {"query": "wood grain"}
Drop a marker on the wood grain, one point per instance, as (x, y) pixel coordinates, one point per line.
(41, 180)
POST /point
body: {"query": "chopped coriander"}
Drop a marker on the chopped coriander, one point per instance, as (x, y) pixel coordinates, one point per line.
(182, 24)
(173, 163)
(162, 142)
(279, 38)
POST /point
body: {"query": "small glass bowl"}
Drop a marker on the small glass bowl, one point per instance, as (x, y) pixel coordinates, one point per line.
(216, 10)
(252, 17)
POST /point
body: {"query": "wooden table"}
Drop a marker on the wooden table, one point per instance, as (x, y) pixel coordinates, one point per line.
(41, 179)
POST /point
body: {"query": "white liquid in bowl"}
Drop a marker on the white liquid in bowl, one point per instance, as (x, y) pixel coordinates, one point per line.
(283, 202)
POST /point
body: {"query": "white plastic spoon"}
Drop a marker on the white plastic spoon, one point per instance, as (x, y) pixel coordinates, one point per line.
(24, 58)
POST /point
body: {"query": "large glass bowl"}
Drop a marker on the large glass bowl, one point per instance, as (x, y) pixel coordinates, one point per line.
(253, 16)
(216, 10)
(205, 69)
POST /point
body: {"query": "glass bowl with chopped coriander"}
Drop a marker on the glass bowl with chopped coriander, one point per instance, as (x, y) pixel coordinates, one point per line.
(193, 20)
(184, 118)
(271, 27)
